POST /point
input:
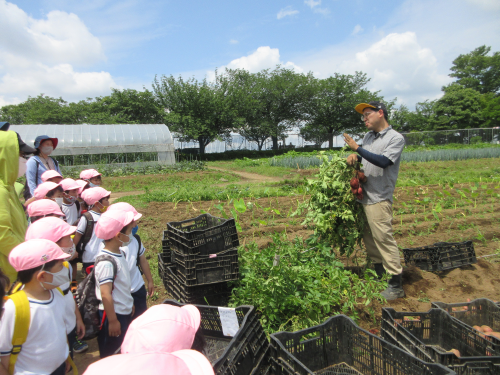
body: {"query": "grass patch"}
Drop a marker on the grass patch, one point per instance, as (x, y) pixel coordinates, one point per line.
(258, 166)
(168, 181)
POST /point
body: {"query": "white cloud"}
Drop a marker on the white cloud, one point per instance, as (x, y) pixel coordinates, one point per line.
(40, 56)
(288, 11)
(233, 41)
(357, 29)
(312, 3)
(397, 65)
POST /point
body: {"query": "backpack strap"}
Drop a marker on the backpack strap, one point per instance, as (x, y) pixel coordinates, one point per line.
(77, 204)
(89, 230)
(110, 259)
(21, 325)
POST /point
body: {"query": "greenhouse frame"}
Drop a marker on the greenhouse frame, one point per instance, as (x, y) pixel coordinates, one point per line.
(119, 143)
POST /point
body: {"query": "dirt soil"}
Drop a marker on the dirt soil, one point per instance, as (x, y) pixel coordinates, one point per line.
(419, 228)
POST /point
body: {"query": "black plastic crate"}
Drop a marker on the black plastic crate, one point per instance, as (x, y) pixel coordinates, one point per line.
(206, 269)
(161, 266)
(441, 256)
(203, 235)
(477, 368)
(242, 354)
(339, 341)
(479, 312)
(212, 294)
(165, 247)
(430, 335)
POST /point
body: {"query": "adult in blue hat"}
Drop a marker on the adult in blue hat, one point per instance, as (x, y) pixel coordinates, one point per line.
(40, 163)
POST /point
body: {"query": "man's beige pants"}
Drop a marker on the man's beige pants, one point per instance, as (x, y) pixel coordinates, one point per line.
(380, 244)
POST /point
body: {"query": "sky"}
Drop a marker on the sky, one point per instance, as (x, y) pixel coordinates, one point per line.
(78, 49)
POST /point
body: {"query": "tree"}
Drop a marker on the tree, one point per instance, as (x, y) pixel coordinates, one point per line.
(200, 111)
(490, 104)
(459, 108)
(331, 110)
(282, 96)
(476, 70)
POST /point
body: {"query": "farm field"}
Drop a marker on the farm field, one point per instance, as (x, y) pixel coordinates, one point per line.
(434, 201)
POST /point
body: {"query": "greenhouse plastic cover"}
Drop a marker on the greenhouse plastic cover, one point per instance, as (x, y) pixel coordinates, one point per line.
(82, 139)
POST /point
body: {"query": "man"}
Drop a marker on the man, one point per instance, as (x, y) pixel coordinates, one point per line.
(380, 156)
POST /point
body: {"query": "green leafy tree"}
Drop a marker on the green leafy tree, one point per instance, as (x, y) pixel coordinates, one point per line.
(331, 110)
(459, 108)
(200, 111)
(282, 98)
(490, 104)
(478, 71)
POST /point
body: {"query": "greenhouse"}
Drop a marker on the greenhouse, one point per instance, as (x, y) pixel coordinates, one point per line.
(84, 144)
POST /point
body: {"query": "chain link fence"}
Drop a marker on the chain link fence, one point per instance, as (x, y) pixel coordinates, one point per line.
(460, 136)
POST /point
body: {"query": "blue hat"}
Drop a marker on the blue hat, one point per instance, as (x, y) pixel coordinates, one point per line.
(42, 138)
(4, 126)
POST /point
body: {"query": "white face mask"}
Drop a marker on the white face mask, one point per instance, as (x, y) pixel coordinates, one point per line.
(126, 243)
(59, 201)
(59, 278)
(22, 166)
(70, 198)
(69, 249)
(93, 185)
(47, 150)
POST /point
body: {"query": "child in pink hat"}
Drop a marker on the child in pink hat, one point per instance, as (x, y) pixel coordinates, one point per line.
(51, 176)
(97, 200)
(39, 264)
(113, 290)
(164, 328)
(59, 232)
(92, 176)
(182, 362)
(136, 255)
(70, 206)
(44, 208)
(47, 190)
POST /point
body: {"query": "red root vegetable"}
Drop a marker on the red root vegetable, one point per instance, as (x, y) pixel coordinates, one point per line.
(359, 196)
(354, 183)
(361, 177)
(354, 191)
(360, 190)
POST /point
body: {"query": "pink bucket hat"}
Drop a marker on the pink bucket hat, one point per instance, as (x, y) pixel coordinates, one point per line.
(89, 173)
(50, 174)
(49, 228)
(44, 207)
(182, 362)
(70, 184)
(111, 222)
(42, 189)
(123, 206)
(34, 253)
(163, 328)
(93, 195)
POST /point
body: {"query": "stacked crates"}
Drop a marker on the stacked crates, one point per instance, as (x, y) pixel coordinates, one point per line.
(199, 258)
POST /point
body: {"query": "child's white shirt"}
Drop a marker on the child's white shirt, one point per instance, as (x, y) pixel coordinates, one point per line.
(46, 346)
(130, 251)
(72, 213)
(92, 248)
(122, 297)
(70, 303)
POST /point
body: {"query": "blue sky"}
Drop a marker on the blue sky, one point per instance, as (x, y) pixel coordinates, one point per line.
(76, 49)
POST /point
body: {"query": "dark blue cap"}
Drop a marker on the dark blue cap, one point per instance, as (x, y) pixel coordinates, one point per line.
(4, 126)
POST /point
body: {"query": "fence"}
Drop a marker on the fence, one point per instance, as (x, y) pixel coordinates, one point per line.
(295, 140)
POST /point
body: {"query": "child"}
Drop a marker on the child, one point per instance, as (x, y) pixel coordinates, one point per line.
(135, 254)
(44, 208)
(47, 190)
(84, 185)
(92, 176)
(86, 241)
(71, 206)
(39, 264)
(51, 176)
(60, 232)
(113, 290)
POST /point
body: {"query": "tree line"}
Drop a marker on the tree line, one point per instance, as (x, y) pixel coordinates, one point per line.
(270, 103)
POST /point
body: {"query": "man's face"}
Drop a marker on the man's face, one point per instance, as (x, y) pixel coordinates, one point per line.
(371, 118)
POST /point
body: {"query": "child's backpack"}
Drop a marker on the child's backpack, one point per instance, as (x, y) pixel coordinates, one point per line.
(87, 301)
(87, 236)
(22, 324)
(138, 263)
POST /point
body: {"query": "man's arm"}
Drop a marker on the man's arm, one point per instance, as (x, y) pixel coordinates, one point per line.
(377, 160)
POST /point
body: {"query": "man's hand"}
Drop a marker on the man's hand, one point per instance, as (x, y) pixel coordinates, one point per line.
(115, 328)
(350, 142)
(352, 159)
